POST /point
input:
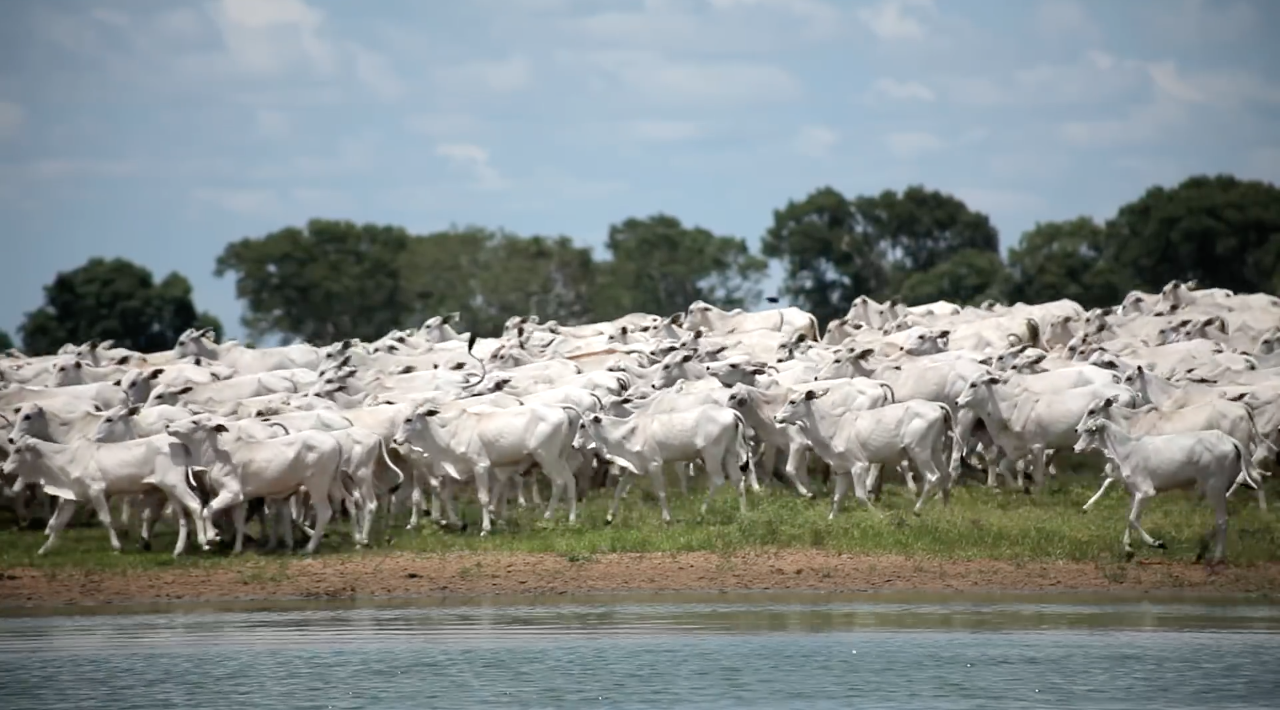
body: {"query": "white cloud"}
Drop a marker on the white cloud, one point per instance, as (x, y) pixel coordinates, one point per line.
(1066, 17)
(272, 124)
(902, 90)
(649, 76)
(895, 19)
(661, 131)
(1146, 123)
(12, 116)
(437, 125)
(1095, 77)
(1200, 22)
(1001, 201)
(816, 141)
(271, 37)
(59, 168)
(240, 201)
(474, 161)
(502, 76)
(374, 70)
(912, 144)
(1226, 87)
(110, 17)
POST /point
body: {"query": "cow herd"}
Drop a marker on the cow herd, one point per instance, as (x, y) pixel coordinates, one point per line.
(1177, 389)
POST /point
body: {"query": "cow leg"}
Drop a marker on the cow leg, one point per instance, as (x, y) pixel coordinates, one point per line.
(415, 504)
(284, 518)
(534, 492)
(907, 476)
(859, 476)
(225, 499)
(186, 500)
(619, 491)
(98, 498)
(152, 508)
(714, 480)
(842, 486)
(61, 503)
(797, 460)
(1135, 513)
(1219, 529)
(482, 494)
(62, 516)
(324, 512)
(1106, 483)
(659, 488)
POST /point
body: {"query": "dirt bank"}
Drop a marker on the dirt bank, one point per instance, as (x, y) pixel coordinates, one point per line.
(408, 575)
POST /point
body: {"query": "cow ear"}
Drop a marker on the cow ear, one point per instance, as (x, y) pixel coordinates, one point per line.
(687, 357)
(185, 389)
(155, 373)
(78, 365)
(810, 395)
(220, 428)
(1110, 401)
(596, 419)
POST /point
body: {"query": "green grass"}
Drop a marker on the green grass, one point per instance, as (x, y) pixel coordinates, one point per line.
(978, 524)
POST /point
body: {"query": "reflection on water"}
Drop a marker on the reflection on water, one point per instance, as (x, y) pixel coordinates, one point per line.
(750, 651)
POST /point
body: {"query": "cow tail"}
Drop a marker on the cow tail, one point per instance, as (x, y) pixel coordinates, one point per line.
(744, 450)
(382, 450)
(888, 388)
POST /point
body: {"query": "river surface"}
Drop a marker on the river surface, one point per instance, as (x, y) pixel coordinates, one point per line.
(732, 652)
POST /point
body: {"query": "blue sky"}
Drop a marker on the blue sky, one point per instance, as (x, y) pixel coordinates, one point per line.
(159, 130)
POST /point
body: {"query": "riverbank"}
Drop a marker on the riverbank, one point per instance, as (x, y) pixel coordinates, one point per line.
(981, 541)
(348, 576)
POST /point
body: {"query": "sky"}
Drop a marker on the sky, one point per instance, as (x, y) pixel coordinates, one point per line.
(160, 130)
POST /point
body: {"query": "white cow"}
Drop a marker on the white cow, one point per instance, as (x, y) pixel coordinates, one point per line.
(1027, 423)
(644, 442)
(915, 431)
(92, 471)
(483, 440)
(239, 470)
(788, 321)
(1206, 460)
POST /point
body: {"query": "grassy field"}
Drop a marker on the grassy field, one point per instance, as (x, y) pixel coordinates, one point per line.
(978, 524)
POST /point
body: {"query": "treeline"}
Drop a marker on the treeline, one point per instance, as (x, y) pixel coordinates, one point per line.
(336, 279)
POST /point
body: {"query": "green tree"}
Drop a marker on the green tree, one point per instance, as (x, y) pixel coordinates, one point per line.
(968, 277)
(1063, 260)
(659, 265)
(326, 281)
(487, 276)
(6, 342)
(835, 249)
(116, 300)
(1220, 230)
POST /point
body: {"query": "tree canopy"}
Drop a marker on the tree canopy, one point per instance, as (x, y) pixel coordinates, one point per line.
(115, 300)
(6, 341)
(332, 279)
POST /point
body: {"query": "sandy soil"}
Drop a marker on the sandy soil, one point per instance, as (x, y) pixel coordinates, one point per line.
(412, 575)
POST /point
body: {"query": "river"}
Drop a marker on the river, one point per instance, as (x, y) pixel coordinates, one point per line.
(690, 651)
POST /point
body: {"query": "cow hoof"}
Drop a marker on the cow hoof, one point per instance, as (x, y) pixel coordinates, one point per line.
(1083, 511)
(1128, 555)
(810, 496)
(608, 521)
(1159, 545)
(144, 545)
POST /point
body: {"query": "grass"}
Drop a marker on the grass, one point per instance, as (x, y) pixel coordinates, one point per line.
(978, 524)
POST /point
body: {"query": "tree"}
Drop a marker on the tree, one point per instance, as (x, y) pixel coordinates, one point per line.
(6, 342)
(113, 300)
(324, 282)
(661, 266)
(1220, 230)
(1064, 260)
(968, 277)
(835, 249)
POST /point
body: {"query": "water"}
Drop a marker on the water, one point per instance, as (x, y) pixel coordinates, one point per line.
(751, 651)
